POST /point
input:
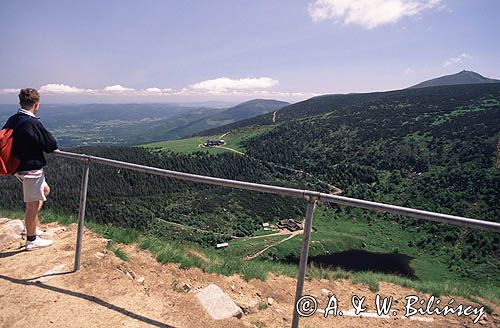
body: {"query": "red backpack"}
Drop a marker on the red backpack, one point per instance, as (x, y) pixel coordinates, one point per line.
(8, 163)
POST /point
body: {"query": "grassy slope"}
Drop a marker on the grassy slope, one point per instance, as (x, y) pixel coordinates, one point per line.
(190, 145)
(331, 232)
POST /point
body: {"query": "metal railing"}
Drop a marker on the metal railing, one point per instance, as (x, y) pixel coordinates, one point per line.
(311, 196)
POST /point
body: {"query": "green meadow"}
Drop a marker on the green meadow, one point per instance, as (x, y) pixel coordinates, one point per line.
(233, 141)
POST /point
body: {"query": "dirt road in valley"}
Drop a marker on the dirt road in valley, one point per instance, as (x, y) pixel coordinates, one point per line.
(290, 236)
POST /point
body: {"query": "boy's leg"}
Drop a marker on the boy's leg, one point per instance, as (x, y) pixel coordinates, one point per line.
(35, 193)
(46, 192)
(31, 216)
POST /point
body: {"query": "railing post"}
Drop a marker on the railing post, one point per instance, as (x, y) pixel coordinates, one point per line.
(304, 255)
(81, 213)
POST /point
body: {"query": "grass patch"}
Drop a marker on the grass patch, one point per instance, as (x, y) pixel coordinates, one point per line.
(118, 253)
(46, 216)
(318, 272)
(366, 278)
(185, 146)
(116, 234)
(262, 306)
(167, 252)
(263, 232)
(444, 118)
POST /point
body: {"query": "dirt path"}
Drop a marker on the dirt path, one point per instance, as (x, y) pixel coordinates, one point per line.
(108, 292)
(227, 148)
(281, 233)
(291, 235)
(231, 149)
(225, 134)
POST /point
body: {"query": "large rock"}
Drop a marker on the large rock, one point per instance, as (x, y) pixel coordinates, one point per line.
(10, 231)
(217, 303)
(14, 226)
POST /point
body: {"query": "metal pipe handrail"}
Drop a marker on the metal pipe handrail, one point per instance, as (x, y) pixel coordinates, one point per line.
(340, 200)
(311, 196)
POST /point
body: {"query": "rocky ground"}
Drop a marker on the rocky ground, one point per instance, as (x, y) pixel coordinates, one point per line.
(38, 288)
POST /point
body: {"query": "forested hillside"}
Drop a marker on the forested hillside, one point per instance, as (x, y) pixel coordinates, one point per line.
(444, 95)
(141, 201)
(432, 148)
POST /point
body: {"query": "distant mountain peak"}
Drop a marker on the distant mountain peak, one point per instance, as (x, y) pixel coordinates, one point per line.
(462, 77)
(265, 101)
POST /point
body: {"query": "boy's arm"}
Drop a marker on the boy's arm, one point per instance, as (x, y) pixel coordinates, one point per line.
(45, 139)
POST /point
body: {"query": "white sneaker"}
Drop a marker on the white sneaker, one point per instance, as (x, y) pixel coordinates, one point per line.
(38, 243)
(39, 232)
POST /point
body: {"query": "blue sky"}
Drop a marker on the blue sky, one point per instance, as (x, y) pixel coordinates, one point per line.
(171, 51)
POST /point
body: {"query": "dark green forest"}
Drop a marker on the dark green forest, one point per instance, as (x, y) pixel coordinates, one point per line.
(436, 151)
(141, 201)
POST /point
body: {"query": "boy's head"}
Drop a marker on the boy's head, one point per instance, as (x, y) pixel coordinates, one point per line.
(29, 99)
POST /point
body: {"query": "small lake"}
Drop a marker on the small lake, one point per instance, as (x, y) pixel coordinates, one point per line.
(360, 260)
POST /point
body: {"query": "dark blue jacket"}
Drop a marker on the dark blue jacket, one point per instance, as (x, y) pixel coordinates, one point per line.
(31, 139)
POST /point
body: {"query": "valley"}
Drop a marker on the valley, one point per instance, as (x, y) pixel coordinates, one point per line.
(133, 124)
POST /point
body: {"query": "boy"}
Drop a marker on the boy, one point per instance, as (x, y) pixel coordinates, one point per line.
(30, 140)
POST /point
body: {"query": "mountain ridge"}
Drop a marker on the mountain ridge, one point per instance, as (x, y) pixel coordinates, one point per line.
(328, 102)
(462, 77)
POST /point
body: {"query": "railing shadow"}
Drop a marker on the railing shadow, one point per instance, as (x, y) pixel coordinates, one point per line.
(89, 298)
(12, 253)
(35, 279)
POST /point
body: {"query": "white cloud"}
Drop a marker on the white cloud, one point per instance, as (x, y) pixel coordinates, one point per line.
(153, 90)
(62, 89)
(409, 70)
(7, 91)
(457, 60)
(157, 90)
(368, 13)
(224, 84)
(118, 88)
(244, 88)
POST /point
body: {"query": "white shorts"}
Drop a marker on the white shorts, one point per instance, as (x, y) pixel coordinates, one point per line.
(33, 186)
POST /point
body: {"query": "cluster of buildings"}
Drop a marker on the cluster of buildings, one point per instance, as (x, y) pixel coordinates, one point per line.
(214, 143)
(288, 224)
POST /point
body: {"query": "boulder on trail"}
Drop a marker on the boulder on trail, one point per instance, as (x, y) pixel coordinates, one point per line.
(217, 303)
